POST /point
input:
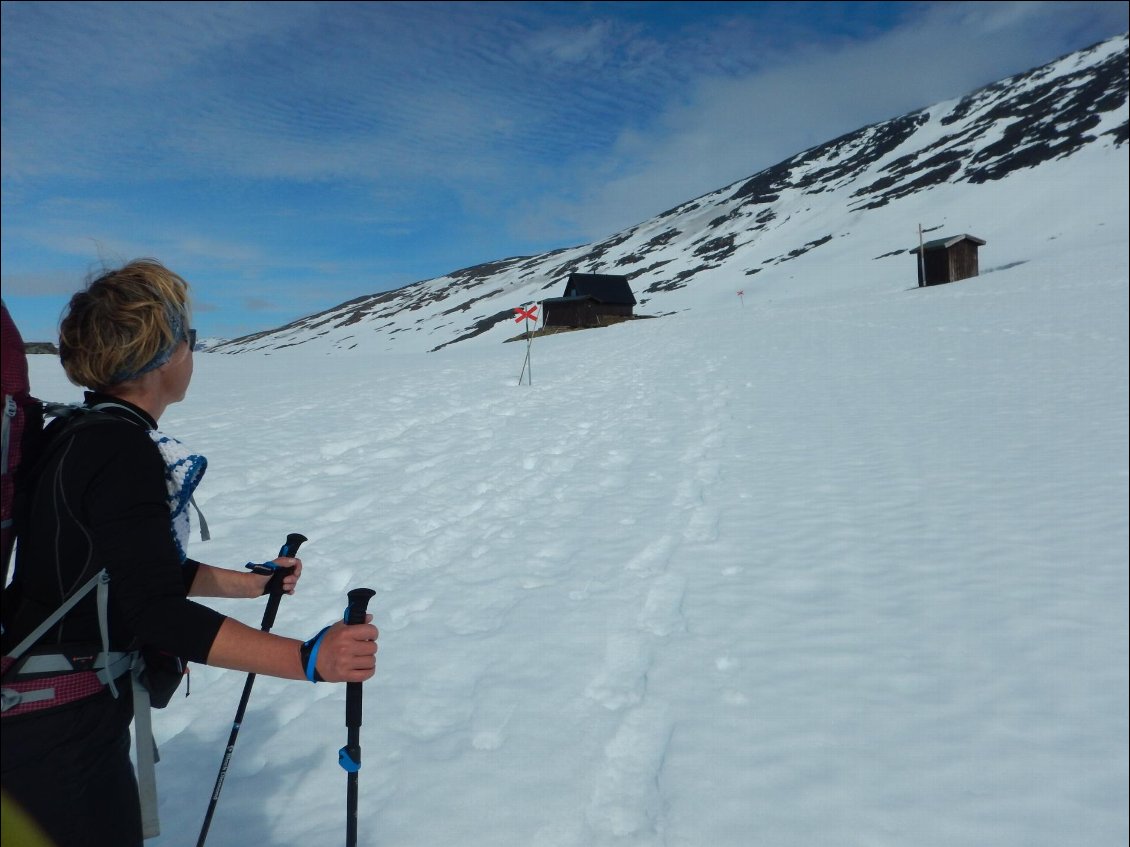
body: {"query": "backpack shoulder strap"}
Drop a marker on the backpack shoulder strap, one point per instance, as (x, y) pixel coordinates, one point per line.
(69, 419)
(98, 582)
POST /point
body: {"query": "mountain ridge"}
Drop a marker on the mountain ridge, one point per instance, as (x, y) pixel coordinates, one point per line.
(1008, 129)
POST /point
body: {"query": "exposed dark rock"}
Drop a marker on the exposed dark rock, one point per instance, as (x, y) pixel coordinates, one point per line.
(479, 327)
(35, 348)
(1016, 124)
(648, 269)
(717, 249)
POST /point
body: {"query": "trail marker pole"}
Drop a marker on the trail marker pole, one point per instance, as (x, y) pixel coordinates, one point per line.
(741, 296)
(527, 315)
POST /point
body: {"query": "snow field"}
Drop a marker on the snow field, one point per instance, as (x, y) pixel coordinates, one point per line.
(843, 570)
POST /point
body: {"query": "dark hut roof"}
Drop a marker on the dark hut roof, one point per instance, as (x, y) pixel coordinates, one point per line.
(946, 243)
(604, 288)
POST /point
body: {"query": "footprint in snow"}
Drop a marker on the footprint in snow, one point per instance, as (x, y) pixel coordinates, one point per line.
(622, 680)
(625, 799)
(662, 610)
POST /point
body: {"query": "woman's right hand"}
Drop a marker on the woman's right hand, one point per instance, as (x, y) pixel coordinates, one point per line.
(348, 653)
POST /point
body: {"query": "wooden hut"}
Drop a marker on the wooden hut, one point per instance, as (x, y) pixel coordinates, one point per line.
(947, 259)
(590, 300)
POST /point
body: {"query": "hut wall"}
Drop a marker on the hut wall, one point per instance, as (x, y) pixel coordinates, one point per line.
(581, 311)
(570, 312)
(962, 261)
(937, 267)
(619, 310)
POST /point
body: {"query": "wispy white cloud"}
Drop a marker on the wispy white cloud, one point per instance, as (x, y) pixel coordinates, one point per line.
(347, 147)
(732, 126)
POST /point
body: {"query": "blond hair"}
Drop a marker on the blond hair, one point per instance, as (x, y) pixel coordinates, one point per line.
(121, 322)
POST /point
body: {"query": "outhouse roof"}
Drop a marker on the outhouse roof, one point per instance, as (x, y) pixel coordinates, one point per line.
(946, 243)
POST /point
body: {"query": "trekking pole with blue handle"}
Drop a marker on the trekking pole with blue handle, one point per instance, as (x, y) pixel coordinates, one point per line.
(349, 756)
(275, 590)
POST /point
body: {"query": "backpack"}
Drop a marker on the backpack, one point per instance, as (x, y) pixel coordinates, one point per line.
(22, 427)
(154, 677)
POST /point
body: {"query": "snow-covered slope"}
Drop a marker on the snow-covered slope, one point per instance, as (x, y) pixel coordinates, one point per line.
(844, 566)
(841, 215)
(831, 571)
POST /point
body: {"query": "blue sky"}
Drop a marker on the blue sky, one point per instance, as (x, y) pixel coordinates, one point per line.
(286, 157)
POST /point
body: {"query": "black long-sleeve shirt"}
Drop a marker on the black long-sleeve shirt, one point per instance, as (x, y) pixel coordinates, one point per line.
(99, 501)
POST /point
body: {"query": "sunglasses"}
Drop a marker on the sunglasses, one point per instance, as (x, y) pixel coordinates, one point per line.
(191, 339)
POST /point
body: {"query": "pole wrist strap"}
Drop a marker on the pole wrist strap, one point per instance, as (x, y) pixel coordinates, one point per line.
(270, 569)
(308, 653)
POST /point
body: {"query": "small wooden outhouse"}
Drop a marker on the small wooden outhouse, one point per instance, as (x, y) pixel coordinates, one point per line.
(947, 259)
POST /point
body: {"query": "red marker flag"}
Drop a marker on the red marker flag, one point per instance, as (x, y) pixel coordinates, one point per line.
(530, 314)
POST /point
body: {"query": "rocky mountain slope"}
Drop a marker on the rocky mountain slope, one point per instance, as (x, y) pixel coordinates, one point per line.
(846, 212)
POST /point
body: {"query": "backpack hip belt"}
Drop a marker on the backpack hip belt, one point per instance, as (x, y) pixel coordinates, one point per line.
(68, 678)
(33, 687)
(36, 694)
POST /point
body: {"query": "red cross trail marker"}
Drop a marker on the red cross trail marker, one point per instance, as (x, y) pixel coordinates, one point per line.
(523, 314)
(741, 294)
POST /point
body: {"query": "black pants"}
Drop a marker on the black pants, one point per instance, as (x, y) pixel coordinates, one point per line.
(71, 771)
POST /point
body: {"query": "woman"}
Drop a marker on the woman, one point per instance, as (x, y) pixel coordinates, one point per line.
(109, 492)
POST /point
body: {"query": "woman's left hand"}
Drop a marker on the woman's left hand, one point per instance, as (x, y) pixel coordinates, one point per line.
(290, 581)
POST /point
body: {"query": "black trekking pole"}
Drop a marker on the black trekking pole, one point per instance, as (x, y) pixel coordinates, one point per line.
(275, 590)
(349, 756)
